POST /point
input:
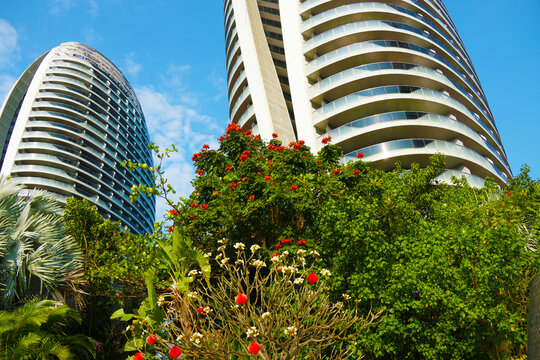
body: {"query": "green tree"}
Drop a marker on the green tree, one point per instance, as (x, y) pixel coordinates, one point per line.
(449, 264)
(115, 263)
(36, 254)
(39, 330)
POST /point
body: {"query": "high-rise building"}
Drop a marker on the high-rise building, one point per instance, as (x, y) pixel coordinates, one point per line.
(389, 78)
(66, 126)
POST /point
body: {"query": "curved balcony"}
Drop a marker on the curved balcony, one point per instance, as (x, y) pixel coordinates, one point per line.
(391, 73)
(406, 124)
(377, 50)
(396, 98)
(247, 118)
(240, 104)
(240, 82)
(419, 150)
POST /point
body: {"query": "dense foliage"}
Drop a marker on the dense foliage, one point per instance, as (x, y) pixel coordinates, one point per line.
(449, 264)
(37, 256)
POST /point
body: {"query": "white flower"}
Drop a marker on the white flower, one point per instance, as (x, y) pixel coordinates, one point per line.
(275, 260)
(222, 241)
(346, 297)
(289, 269)
(239, 246)
(291, 331)
(252, 332)
(208, 255)
(193, 295)
(258, 263)
(221, 248)
(224, 261)
(301, 252)
(161, 301)
(208, 310)
(180, 338)
(266, 315)
(325, 272)
(338, 305)
(219, 256)
(239, 262)
(314, 253)
(193, 273)
(196, 338)
(254, 248)
(285, 253)
(301, 261)
(299, 281)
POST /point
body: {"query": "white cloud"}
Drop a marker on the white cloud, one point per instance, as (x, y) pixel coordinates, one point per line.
(180, 124)
(131, 67)
(60, 7)
(9, 51)
(6, 82)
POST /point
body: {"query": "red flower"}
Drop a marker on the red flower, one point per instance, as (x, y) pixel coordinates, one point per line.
(138, 356)
(173, 212)
(233, 127)
(280, 269)
(244, 179)
(206, 146)
(193, 206)
(336, 171)
(293, 187)
(312, 278)
(204, 206)
(286, 241)
(228, 168)
(326, 140)
(244, 157)
(277, 246)
(233, 185)
(196, 157)
(241, 299)
(275, 254)
(301, 242)
(318, 161)
(274, 135)
(267, 178)
(254, 348)
(247, 133)
(151, 339)
(200, 310)
(175, 352)
(275, 183)
(200, 172)
(360, 155)
(251, 197)
(170, 229)
(292, 143)
(215, 193)
(356, 172)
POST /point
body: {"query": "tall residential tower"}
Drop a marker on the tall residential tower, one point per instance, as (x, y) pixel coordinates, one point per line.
(389, 78)
(67, 125)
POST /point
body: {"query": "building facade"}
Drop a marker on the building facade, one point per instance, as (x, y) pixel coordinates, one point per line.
(66, 126)
(390, 79)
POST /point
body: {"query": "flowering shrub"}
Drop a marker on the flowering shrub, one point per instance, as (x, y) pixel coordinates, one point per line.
(256, 305)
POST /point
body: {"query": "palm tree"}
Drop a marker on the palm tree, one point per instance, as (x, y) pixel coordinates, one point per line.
(36, 255)
(37, 330)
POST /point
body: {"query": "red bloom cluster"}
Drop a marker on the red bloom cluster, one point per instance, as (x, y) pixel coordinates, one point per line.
(170, 229)
(175, 352)
(251, 197)
(200, 172)
(297, 145)
(204, 206)
(228, 168)
(312, 278)
(278, 245)
(247, 133)
(274, 135)
(254, 348)
(241, 299)
(233, 185)
(200, 310)
(233, 128)
(244, 179)
(356, 172)
(215, 193)
(267, 178)
(196, 157)
(326, 140)
(193, 206)
(151, 339)
(286, 241)
(293, 187)
(336, 171)
(275, 148)
(301, 242)
(206, 146)
(173, 212)
(138, 356)
(360, 155)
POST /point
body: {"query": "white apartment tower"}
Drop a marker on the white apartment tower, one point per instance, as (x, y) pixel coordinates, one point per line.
(390, 79)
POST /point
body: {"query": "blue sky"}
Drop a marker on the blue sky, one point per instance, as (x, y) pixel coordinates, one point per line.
(172, 52)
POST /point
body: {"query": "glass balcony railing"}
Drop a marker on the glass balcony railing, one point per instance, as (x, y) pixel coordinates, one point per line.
(355, 127)
(359, 97)
(431, 147)
(364, 70)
